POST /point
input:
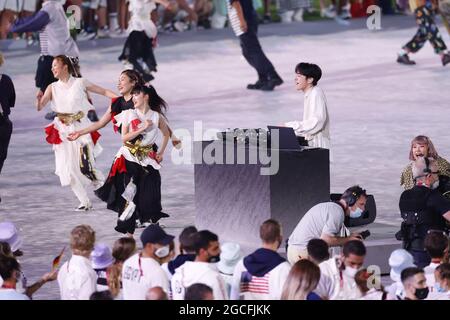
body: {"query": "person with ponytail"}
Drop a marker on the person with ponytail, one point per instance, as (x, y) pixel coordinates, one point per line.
(133, 186)
(75, 161)
(128, 79)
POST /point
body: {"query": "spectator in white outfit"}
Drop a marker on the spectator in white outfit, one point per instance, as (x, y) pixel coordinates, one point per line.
(371, 288)
(315, 126)
(77, 279)
(326, 221)
(436, 244)
(229, 258)
(262, 274)
(9, 269)
(143, 270)
(101, 259)
(442, 285)
(11, 245)
(337, 278)
(399, 260)
(202, 269)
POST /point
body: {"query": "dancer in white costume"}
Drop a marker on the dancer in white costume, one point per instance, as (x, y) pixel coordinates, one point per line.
(75, 160)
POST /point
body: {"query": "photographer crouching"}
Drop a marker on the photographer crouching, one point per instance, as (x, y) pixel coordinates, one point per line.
(422, 208)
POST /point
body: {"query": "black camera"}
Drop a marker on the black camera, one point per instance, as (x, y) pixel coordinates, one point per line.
(364, 234)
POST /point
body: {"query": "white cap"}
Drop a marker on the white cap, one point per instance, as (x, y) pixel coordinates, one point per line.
(229, 257)
(399, 260)
(9, 234)
(101, 256)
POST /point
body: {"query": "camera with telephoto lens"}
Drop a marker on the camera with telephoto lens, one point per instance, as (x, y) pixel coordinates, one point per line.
(365, 234)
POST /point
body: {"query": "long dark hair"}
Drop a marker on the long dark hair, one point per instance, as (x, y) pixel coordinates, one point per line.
(134, 76)
(155, 102)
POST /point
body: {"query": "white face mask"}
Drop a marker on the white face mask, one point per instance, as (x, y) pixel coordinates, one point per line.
(162, 252)
(350, 272)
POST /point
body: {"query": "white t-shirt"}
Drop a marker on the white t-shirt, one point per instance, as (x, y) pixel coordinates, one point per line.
(198, 272)
(429, 275)
(12, 294)
(77, 279)
(323, 218)
(268, 287)
(138, 278)
(335, 285)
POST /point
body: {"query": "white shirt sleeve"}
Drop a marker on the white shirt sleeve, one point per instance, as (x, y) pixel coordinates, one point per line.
(236, 282)
(277, 280)
(325, 288)
(88, 286)
(317, 115)
(159, 279)
(296, 125)
(177, 287)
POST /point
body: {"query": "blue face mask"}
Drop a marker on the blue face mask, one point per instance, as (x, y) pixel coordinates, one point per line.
(438, 288)
(356, 214)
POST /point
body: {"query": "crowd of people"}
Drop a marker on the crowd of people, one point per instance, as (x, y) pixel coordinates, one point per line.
(203, 269)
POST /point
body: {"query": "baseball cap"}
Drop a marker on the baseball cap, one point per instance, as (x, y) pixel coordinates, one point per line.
(9, 234)
(399, 260)
(101, 256)
(155, 234)
(229, 257)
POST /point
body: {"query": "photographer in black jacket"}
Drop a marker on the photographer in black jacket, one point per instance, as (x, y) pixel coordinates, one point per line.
(7, 101)
(422, 208)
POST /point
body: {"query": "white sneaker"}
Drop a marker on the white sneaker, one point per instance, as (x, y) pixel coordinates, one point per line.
(329, 12)
(341, 21)
(345, 14)
(298, 15)
(180, 26)
(102, 33)
(127, 65)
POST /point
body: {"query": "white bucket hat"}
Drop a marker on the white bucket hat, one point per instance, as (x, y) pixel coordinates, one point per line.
(399, 260)
(101, 256)
(229, 257)
(9, 234)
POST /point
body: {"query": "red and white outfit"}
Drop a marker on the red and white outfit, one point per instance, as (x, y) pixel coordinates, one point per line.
(71, 98)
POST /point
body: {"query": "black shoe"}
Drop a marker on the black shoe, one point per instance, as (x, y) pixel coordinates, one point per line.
(271, 84)
(147, 77)
(404, 59)
(267, 18)
(256, 86)
(445, 59)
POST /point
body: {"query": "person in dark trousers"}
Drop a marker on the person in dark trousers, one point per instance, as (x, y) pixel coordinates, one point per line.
(428, 30)
(244, 22)
(7, 101)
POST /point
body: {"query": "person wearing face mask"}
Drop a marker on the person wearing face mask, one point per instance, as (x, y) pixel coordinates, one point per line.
(262, 274)
(9, 268)
(415, 284)
(442, 284)
(337, 275)
(143, 270)
(202, 270)
(422, 208)
(326, 221)
(422, 146)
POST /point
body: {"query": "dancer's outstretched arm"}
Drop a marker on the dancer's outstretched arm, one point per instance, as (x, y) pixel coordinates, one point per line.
(99, 90)
(42, 102)
(165, 131)
(104, 120)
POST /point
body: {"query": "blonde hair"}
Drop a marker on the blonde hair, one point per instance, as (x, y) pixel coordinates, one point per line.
(302, 280)
(2, 60)
(82, 239)
(423, 140)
